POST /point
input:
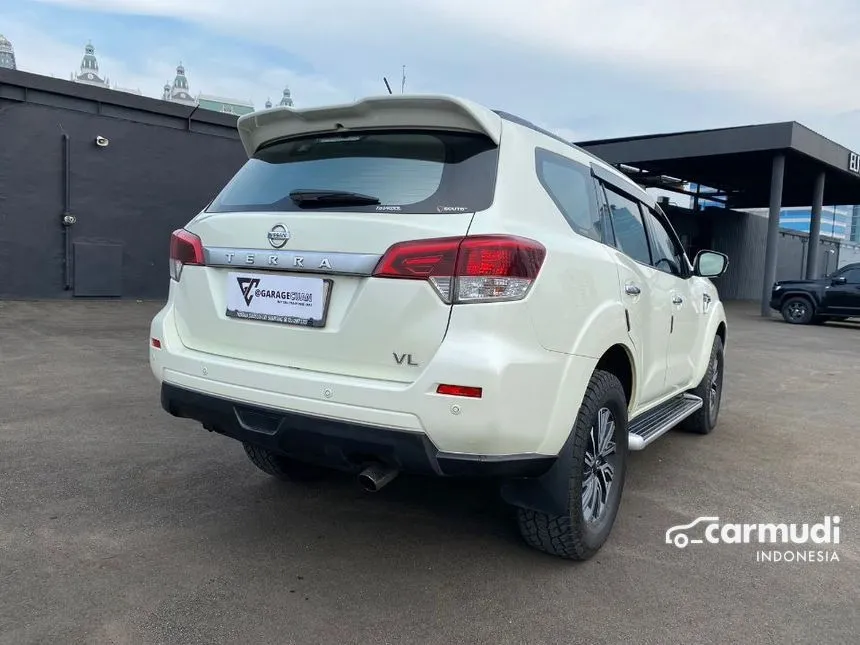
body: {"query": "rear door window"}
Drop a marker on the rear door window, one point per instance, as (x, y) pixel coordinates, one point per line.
(410, 172)
(630, 235)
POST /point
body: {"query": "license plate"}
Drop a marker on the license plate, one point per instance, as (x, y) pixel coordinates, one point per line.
(292, 300)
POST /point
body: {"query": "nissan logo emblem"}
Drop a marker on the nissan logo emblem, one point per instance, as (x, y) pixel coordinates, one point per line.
(278, 236)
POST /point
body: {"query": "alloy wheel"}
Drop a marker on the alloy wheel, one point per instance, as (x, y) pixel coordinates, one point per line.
(599, 464)
(797, 310)
(714, 389)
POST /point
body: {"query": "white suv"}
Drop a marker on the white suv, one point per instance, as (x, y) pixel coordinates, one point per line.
(421, 284)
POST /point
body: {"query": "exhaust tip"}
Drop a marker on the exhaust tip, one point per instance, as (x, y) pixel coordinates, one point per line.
(367, 483)
(376, 476)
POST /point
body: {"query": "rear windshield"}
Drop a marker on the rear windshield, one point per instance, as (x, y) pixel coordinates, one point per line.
(409, 172)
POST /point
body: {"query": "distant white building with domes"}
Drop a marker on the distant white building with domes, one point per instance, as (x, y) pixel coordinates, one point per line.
(7, 54)
(179, 91)
(89, 73)
(89, 70)
(286, 99)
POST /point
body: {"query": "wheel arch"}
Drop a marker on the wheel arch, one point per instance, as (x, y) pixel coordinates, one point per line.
(798, 294)
(549, 492)
(618, 361)
(717, 327)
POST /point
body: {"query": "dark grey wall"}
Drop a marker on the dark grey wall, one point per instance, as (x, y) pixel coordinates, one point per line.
(849, 254)
(791, 262)
(157, 172)
(741, 236)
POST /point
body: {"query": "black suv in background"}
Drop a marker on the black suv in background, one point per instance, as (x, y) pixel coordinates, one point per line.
(834, 297)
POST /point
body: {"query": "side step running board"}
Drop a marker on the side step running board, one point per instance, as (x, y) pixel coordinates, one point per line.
(655, 423)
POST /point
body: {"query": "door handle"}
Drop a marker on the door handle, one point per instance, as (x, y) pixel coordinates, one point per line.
(677, 300)
(632, 290)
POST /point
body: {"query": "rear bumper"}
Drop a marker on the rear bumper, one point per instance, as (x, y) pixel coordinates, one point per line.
(530, 395)
(339, 444)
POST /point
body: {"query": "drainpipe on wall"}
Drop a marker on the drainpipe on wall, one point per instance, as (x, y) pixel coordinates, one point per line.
(67, 218)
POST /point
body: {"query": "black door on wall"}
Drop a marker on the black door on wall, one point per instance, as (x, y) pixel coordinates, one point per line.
(94, 258)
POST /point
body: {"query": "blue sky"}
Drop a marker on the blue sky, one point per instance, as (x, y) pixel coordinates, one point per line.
(583, 69)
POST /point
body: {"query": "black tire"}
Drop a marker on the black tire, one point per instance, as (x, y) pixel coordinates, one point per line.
(282, 467)
(574, 535)
(798, 310)
(710, 390)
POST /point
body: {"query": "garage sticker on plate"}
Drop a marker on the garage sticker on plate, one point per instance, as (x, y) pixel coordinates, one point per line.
(276, 298)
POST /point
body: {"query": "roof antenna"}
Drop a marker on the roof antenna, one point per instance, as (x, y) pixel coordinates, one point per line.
(387, 85)
(403, 81)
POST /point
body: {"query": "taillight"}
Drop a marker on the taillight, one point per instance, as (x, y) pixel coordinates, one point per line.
(480, 268)
(185, 248)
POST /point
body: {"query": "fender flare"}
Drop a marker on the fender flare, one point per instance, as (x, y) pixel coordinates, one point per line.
(550, 492)
(605, 328)
(704, 358)
(791, 293)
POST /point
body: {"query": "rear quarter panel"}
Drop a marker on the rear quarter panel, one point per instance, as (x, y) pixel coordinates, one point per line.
(574, 306)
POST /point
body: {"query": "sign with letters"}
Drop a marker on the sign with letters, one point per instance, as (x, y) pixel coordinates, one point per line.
(854, 162)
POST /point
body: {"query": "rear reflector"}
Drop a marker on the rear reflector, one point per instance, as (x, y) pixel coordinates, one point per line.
(155, 343)
(460, 390)
(185, 248)
(480, 268)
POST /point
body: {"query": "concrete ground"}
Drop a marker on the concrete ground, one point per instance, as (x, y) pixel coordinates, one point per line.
(120, 524)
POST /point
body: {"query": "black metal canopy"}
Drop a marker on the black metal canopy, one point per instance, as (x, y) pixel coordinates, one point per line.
(738, 162)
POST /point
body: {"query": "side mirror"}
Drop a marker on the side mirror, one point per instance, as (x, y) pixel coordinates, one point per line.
(840, 280)
(710, 264)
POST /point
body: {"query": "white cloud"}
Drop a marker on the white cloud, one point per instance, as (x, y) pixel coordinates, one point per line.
(43, 53)
(799, 53)
(580, 68)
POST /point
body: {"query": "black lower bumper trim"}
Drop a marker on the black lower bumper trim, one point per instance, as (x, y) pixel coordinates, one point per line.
(339, 444)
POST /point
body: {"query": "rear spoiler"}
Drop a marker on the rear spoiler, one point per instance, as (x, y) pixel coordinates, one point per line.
(403, 111)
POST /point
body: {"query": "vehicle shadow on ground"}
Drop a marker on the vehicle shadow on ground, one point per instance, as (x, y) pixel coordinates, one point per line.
(413, 510)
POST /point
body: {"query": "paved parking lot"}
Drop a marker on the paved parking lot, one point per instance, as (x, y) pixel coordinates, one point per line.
(119, 524)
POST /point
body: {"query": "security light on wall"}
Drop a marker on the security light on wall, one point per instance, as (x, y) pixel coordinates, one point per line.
(102, 142)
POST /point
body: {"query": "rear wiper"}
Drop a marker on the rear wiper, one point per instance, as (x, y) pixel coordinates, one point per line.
(308, 198)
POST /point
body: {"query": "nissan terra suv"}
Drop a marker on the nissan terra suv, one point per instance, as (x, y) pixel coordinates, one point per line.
(421, 284)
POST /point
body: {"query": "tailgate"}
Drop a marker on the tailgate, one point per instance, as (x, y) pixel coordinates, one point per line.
(363, 324)
(291, 242)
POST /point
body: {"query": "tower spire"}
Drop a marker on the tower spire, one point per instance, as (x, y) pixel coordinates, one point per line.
(287, 98)
(179, 91)
(7, 54)
(89, 70)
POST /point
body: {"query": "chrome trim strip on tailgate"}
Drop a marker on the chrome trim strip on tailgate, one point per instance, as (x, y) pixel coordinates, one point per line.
(296, 261)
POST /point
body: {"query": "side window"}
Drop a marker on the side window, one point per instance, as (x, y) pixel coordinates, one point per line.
(569, 185)
(665, 253)
(852, 276)
(630, 236)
